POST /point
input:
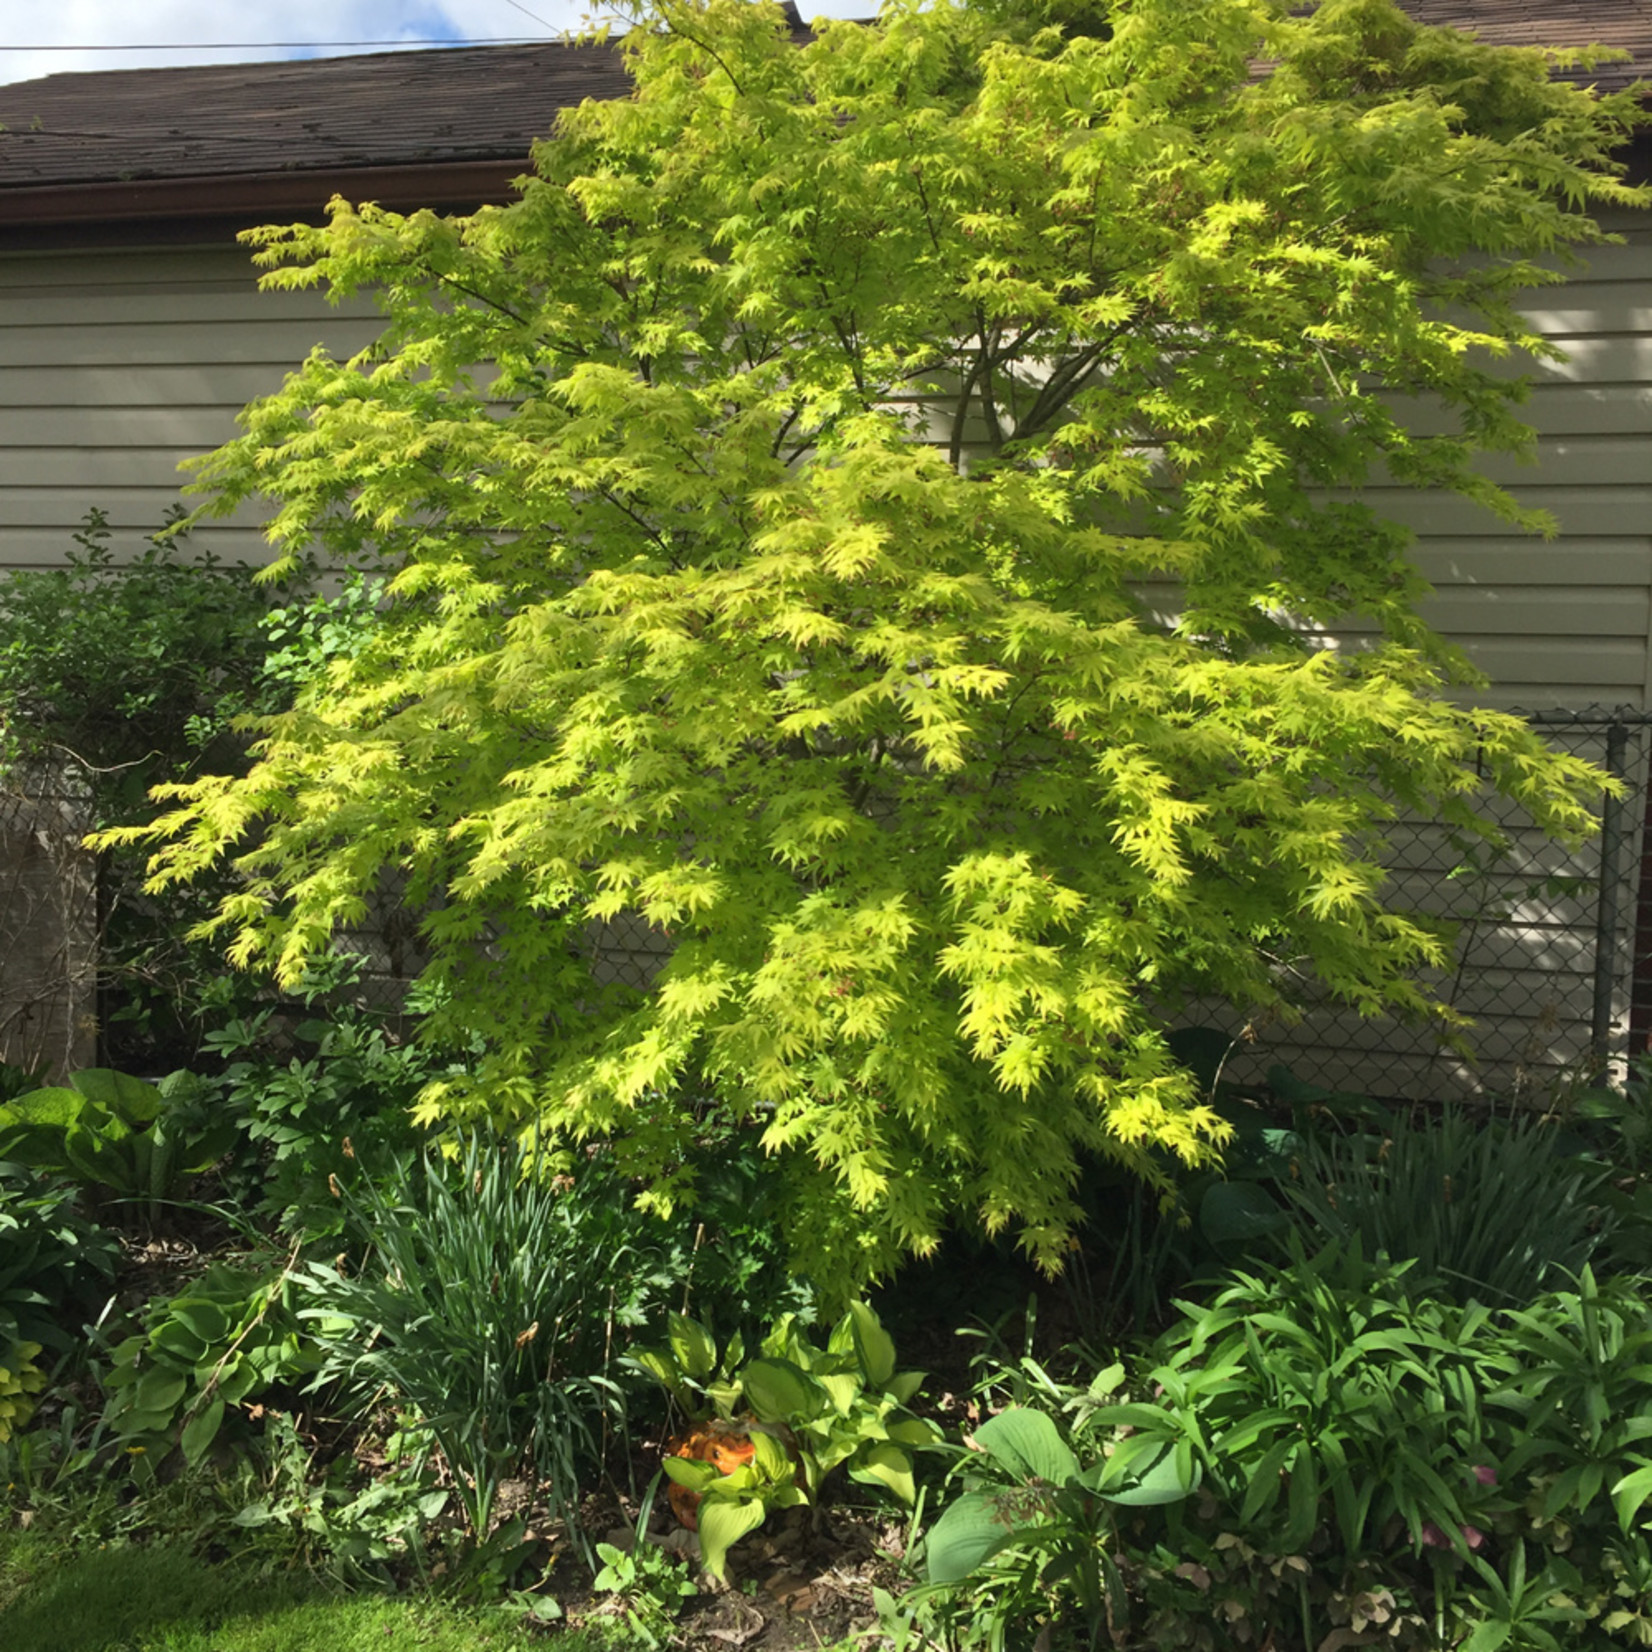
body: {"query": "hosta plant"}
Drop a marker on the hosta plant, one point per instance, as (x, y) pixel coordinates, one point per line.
(226, 1337)
(774, 1426)
(20, 1380)
(1029, 1499)
(118, 1134)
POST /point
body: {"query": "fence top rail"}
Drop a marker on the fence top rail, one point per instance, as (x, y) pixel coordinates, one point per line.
(1624, 716)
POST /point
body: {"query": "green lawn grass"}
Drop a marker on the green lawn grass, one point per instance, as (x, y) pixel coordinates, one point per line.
(161, 1598)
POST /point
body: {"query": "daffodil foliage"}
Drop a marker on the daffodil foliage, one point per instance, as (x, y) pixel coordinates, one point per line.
(871, 517)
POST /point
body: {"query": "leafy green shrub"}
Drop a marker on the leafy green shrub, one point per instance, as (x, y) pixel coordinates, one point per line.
(1458, 1196)
(227, 1337)
(134, 667)
(362, 1533)
(51, 1256)
(127, 671)
(303, 1117)
(1336, 1458)
(118, 1134)
(1027, 1498)
(727, 1246)
(488, 1303)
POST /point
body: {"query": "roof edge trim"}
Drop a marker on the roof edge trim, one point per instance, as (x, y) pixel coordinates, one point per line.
(255, 195)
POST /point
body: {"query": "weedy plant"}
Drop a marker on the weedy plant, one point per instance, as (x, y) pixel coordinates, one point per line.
(648, 1588)
(373, 1533)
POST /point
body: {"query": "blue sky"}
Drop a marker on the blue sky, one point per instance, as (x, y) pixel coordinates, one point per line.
(104, 34)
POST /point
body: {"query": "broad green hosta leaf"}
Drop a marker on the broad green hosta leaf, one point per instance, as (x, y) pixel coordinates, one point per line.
(779, 1392)
(691, 1346)
(690, 1472)
(885, 1464)
(972, 1530)
(722, 1523)
(133, 1101)
(874, 1347)
(1028, 1446)
(201, 1430)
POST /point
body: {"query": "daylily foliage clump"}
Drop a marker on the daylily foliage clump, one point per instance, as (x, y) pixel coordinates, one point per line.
(768, 497)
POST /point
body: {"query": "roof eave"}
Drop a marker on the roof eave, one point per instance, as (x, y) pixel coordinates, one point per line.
(257, 196)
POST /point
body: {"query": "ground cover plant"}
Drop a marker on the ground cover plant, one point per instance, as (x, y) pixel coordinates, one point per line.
(763, 500)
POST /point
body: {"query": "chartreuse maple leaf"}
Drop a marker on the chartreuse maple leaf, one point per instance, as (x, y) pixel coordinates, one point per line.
(764, 495)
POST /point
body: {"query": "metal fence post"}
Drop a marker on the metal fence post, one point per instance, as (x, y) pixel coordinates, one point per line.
(1609, 902)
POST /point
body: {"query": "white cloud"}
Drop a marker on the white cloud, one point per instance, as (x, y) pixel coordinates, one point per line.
(96, 31)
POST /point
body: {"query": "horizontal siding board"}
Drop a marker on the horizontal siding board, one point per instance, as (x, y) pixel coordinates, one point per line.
(1474, 868)
(1604, 264)
(1516, 693)
(1497, 996)
(1466, 611)
(1493, 946)
(215, 302)
(1539, 667)
(281, 342)
(1591, 305)
(90, 431)
(1611, 512)
(1555, 409)
(1495, 1038)
(125, 467)
(98, 272)
(49, 547)
(1571, 461)
(1618, 561)
(231, 386)
(1624, 358)
(1424, 892)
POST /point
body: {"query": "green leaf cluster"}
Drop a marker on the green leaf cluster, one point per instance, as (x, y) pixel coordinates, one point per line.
(129, 666)
(20, 1381)
(808, 1410)
(227, 1336)
(486, 1302)
(1321, 1450)
(51, 1258)
(872, 521)
(117, 1133)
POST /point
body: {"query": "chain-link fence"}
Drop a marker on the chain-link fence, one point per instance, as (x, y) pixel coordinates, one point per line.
(1553, 966)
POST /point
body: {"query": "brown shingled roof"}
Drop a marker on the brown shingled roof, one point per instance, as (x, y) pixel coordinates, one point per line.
(446, 127)
(385, 109)
(1626, 24)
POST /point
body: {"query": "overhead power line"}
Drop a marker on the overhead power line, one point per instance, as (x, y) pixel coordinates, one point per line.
(284, 45)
